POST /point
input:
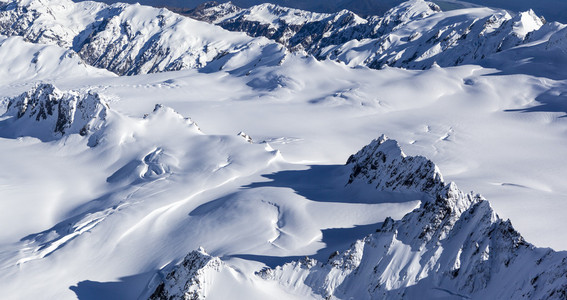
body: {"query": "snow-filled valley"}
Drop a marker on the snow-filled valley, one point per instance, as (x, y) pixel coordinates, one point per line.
(149, 155)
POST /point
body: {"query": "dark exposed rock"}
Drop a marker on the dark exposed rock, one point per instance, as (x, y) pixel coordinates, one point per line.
(47, 113)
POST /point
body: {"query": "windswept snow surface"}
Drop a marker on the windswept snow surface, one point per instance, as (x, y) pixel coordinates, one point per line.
(97, 213)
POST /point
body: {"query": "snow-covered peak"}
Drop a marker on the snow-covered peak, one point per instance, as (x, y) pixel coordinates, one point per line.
(55, 22)
(383, 163)
(526, 22)
(271, 13)
(410, 10)
(347, 17)
(213, 12)
(189, 279)
(167, 114)
(266, 13)
(125, 39)
(453, 245)
(47, 113)
(296, 29)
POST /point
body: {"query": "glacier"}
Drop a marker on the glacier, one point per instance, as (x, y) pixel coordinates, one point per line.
(146, 154)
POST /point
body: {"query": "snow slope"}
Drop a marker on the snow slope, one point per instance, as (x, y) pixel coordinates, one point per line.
(207, 190)
(24, 62)
(261, 181)
(452, 245)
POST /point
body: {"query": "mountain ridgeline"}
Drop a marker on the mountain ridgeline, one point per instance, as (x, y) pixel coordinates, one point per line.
(452, 245)
(133, 39)
(124, 39)
(415, 34)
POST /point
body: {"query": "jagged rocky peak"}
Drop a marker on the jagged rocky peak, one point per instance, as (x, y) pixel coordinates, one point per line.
(302, 30)
(416, 34)
(453, 245)
(213, 11)
(48, 113)
(188, 280)
(383, 163)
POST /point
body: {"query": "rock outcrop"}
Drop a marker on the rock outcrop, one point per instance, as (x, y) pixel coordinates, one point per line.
(47, 113)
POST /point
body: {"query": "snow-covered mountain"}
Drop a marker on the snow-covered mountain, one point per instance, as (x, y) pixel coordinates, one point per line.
(303, 30)
(132, 39)
(56, 113)
(24, 62)
(553, 10)
(107, 184)
(125, 39)
(366, 7)
(414, 34)
(453, 245)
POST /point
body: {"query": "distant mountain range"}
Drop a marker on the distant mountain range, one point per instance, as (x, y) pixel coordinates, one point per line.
(413, 35)
(552, 10)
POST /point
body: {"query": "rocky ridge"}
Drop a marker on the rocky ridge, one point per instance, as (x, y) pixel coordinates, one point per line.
(134, 39)
(415, 34)
(124, 39)
(454, 244)
(54, 113)
(307, 31)
(187, 281)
